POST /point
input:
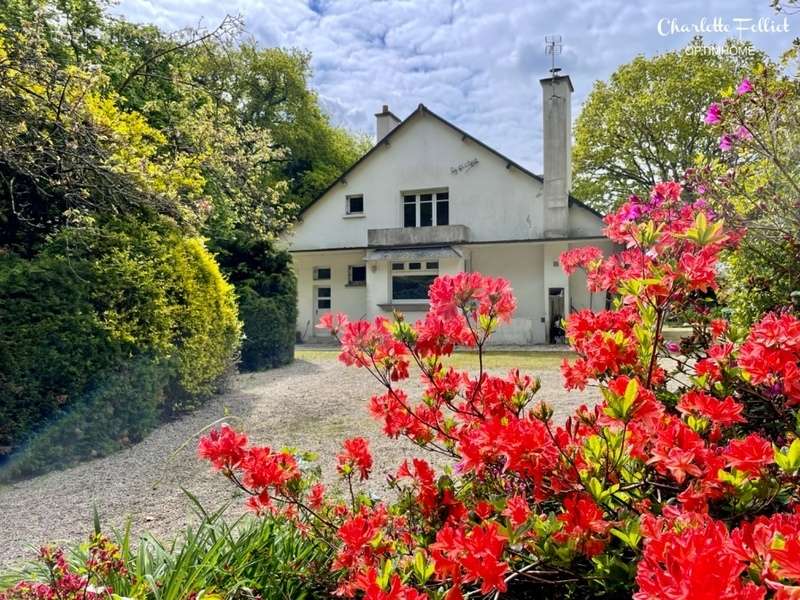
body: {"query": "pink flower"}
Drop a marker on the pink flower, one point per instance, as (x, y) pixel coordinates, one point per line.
(713, 115)
(743, 133)
(725, 143)
(744, 87)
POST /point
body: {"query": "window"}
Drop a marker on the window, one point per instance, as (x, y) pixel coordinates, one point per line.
(410, 281)
(411, 287)
(357, 275)
(355, 204)
(426, 209)
(323, 298)
(409, 211)
(322, 273)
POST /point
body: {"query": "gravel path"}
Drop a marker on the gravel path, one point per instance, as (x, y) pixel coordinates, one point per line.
(307, 405)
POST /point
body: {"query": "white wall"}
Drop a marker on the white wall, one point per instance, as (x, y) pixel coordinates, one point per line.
(583, 222)
(521, 264)
(351, 300)
(495, 202)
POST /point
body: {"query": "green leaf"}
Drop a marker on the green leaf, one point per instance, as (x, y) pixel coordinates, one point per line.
(788, 459)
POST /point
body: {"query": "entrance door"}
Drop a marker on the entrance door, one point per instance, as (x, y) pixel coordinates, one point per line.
(556, 308)
(322, 305)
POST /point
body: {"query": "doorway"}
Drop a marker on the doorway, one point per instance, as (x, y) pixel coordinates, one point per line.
(556, 304)
(322, 305)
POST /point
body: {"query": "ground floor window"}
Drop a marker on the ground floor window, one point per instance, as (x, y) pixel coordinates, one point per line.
(411, 280)
(357, 275)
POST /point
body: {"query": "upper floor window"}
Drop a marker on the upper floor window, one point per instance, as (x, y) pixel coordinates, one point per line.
(426, 209)
(355, 204)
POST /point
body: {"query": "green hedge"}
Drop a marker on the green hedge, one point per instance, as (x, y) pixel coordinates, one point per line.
(131, 316)
(119, 410)
(267, 290)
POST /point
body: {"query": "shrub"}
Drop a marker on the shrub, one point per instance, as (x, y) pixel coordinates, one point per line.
(682, 482)
(119, 409)
(96, 305)
(249, 559)
(267, 290)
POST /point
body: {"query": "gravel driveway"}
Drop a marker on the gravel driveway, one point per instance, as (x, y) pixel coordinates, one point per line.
(311, 405)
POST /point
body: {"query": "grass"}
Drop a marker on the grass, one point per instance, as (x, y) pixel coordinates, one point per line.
(463, 359)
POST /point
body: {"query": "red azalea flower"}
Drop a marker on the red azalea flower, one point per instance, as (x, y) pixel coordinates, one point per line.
(750, 454)
(224, 448)
(355, 456)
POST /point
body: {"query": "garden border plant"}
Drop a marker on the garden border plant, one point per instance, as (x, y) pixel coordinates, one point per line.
(681, 483)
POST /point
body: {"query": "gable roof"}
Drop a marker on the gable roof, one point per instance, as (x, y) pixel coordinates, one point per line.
(420, 111)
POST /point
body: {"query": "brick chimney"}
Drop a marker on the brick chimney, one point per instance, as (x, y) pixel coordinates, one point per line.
(385, 122)
(557, 153)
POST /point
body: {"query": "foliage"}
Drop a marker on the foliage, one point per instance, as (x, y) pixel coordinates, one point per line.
(643, 125)
(96, 301)
(68, 152)
(755, 184)
(249, 559)
(267, 290)
(680, 483)
(118, 408)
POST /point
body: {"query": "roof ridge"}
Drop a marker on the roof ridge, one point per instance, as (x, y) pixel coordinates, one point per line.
(422, 109)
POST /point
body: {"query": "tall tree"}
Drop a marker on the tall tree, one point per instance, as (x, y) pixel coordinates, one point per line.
(644, 125)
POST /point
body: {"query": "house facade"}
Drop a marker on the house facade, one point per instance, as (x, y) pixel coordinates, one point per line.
(430, 199)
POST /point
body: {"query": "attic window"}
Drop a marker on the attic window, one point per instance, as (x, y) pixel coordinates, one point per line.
(355, 204)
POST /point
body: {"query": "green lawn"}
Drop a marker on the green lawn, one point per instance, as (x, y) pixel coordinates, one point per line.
(528, 360)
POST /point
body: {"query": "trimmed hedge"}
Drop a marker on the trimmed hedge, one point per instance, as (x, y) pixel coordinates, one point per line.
(103, 332)
(267, 290)
(121, 409)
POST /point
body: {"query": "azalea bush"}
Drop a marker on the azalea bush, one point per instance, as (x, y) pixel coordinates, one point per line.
(682, 481)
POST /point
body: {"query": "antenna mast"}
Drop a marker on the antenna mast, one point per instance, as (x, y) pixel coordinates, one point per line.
(552, 46)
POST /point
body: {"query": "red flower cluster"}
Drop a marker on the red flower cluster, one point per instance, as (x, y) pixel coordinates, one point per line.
(690, 556)
(257, 469)
(771, 355)
(355, 457)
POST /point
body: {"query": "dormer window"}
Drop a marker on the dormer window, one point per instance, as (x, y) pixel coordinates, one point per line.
(426, 209)
(354, 206)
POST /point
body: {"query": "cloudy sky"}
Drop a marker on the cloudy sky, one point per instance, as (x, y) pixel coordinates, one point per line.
(475, 62)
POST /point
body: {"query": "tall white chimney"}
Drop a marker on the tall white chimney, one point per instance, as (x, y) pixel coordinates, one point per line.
(385, 122)
(557, 153)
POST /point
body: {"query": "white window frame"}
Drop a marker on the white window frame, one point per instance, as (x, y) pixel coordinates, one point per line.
(406, 271)
(348, 214)
(418, 206)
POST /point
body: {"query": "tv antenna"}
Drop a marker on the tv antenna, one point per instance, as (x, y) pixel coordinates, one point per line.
(552, 46)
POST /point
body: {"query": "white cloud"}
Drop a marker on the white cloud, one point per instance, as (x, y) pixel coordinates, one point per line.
(474, 62)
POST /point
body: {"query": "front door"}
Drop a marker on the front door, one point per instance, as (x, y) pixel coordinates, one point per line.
(556, 308)
(322, 305)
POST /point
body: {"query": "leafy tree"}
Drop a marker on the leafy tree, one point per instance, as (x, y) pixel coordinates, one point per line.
(644, 125)
(755, 184)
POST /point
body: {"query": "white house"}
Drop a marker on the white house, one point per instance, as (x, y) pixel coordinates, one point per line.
(429, 199)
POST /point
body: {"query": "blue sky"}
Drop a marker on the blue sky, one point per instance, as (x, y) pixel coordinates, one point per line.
(475, 62)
